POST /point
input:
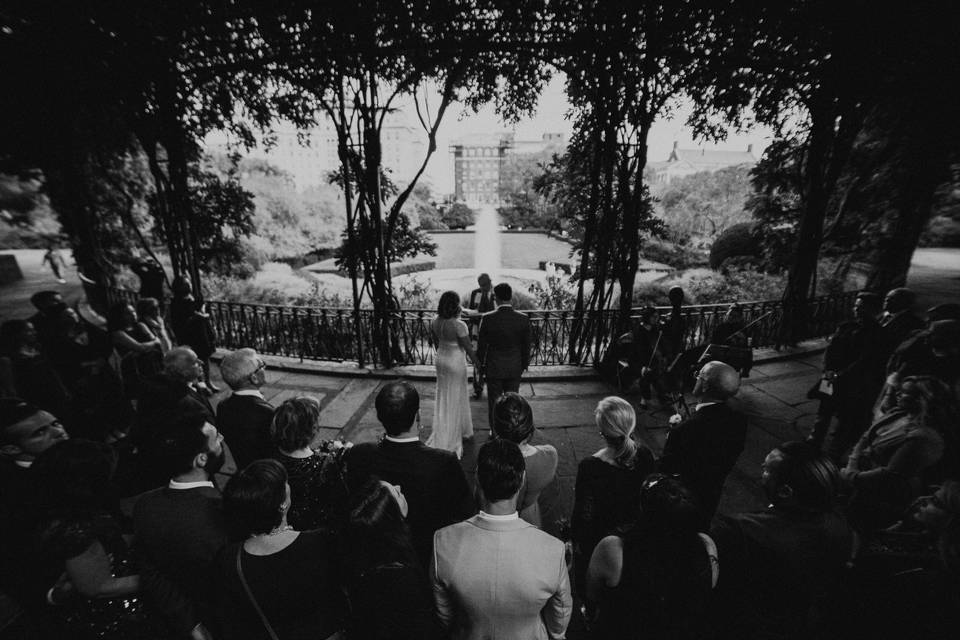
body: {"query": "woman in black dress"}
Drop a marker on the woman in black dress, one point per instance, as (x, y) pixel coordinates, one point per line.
(316, 479)
(609, 481)
(389, 594)
(280, 582)
(654, 580)
(137, 348)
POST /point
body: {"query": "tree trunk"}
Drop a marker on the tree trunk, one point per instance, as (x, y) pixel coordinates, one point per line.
(631, 226)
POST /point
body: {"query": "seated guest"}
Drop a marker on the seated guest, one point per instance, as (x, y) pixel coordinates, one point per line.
(898, 321)
(164, 399)
(654, 580)
(137, 347)
(81, 536)
(898, 456)
(180, 527)
(431, 479)
(26, 431)
(609, 481)
(25, 372)
(705, 447)
(935, 352)
(279, 582)
(48, 304)
(193, 328)
(513, 421)
(495, 575)
(389, 593)
(244, 417)
(316, 482)
(784, 562)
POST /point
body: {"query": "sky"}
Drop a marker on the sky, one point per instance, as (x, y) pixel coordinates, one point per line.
(550, 117)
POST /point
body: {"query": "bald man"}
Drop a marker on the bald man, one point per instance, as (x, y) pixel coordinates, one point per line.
(704, 447)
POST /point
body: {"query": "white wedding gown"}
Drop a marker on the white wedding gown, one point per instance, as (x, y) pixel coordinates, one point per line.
(451, 412)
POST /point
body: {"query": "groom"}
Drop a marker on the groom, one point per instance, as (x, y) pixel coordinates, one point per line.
(503, 347)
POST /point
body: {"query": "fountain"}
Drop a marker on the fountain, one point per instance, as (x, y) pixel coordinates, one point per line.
(486, 249)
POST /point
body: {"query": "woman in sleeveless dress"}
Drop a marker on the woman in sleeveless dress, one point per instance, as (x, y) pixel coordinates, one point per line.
(451, 413)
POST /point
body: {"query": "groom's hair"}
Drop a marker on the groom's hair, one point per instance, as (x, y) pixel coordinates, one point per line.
(397, 407)
(503, 292)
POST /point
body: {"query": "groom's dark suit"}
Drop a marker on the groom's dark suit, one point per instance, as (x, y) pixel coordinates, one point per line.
(504, 351)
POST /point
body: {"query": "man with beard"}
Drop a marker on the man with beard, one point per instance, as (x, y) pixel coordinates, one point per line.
(179, 528)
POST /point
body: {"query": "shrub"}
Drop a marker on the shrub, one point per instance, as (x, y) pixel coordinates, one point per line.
(942, 231)
(738, 240)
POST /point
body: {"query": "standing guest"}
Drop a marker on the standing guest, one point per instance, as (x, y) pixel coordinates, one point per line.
(898, 320)
(81, 535)
(279, 582)
(452, 421)
(704, 447)
(609, 481)
(503, 347)
(495, 575)
(54, 258)
(148, 311)
(786, 561)
(192, 327)
(513, 421)
(389, 593)
(244, 417)
(48, 304)
(137, 347)
(316, 481)
(431, 479)
(654, 579)
(180, 527)
(151, 277)
(853, 369)
(25, 372)
(903, 452)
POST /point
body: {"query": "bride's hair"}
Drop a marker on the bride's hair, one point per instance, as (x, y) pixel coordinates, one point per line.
(449, 305)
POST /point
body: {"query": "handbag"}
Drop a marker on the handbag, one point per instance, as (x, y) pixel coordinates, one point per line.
(253, 601)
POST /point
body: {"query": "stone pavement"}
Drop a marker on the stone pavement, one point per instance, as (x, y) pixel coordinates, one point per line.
(773, 397)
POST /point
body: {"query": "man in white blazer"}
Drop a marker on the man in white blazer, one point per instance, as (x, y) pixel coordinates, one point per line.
(496, 576)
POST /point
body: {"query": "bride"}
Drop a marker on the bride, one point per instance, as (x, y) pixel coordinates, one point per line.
(451, 412)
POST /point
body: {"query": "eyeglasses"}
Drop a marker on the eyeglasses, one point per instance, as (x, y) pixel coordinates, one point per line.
(261, 365)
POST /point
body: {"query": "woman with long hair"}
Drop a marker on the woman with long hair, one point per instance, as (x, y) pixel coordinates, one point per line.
(452, 421)
(654, 579)
(513, 421)
(135, 345)
(609, 481)
(279, 582)
(904, 451)
(389, 594)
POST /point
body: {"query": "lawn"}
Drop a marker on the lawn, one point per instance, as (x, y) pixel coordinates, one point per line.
(517, 250)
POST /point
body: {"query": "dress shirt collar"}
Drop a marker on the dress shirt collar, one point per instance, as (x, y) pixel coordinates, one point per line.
(507, 518)
(402, 440)
(189, 485)
(505, 305)
(701, 405)
(249, 392)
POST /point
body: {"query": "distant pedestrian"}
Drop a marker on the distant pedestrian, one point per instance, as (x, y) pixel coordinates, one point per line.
(56, 261)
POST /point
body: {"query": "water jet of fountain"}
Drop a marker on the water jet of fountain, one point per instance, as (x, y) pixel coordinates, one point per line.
(486, 249)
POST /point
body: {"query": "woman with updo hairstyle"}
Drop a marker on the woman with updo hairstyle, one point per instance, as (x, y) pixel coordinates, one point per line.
(513, 421)
(452, 420)
(609, 481)
(390, 596)
(654, 578)
(316, 482)
(279, 582)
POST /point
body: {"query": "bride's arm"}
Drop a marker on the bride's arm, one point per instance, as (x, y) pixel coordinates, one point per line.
(463, 338)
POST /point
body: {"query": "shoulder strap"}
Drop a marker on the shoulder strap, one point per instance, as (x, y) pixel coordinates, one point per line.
(253, 601)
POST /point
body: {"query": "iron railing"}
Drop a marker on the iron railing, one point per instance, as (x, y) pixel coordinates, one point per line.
(313, 333)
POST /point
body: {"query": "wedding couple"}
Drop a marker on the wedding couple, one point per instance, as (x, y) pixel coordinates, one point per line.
(502, 354)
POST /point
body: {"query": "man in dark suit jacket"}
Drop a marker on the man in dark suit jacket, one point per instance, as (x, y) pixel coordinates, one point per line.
(180, 527)
(244, 418)
(431, 479)
(898, 321)
(503, 347)
(704, 447)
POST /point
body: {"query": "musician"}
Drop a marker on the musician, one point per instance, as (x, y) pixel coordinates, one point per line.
(731, 330)
(646, 358)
